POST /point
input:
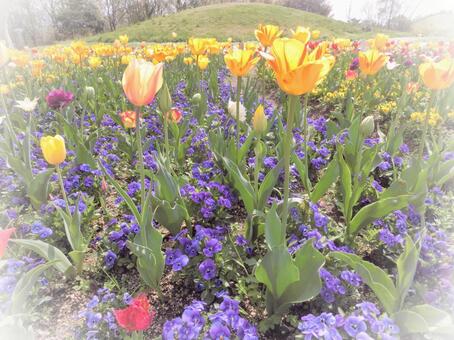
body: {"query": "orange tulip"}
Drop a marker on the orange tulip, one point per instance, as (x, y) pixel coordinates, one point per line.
(174, 115)
(128, 118)
(141, 81)
(266, 34)
(240, 62)
(437, 76)
(296, 72)
(372, 61)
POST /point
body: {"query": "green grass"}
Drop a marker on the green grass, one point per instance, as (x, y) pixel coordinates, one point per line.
(237, 21)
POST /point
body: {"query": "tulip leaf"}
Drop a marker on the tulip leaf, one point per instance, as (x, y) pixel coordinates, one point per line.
(274, 230)
(346, 181)
(38, 188)
(406, 268)
(328, 178)
(267, 185)
(277, 271)
(375, 277)
(169, 216)
(309, 261)
(25, 285)
(48, 252)
(375, 210)
(241, 184)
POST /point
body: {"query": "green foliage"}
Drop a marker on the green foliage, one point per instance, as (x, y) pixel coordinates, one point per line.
(288, 279)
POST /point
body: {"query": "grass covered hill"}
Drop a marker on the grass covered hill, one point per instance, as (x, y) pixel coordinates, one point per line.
(237, 21)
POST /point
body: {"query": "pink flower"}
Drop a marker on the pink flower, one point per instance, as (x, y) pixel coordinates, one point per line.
(59, 98)
(4, 238)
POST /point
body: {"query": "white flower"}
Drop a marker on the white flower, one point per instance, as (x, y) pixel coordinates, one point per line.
(232, 110)
(391, 65)
(27, 105)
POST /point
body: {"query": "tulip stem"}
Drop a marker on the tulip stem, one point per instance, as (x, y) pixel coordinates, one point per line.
(62, 186)
(291, 107)
(425, 126)
(166, 136)
(238, 94)
(306, 137)
(141, 167)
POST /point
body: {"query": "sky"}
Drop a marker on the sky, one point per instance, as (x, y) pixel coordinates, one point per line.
(412, 8)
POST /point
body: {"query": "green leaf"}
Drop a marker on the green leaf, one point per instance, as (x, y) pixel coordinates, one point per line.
(277, 271)
(131, 205)
(38, 188)
(241, 184)
(267, 185)
(375, 210)
(167, 188)
(328, 178)
(170, 216)
(150, 260)
(406, 268)
(374, 277)
(309, 261)
(346, 181)
(25, 285)
(48, 252)
(274, 230)
(424, 319)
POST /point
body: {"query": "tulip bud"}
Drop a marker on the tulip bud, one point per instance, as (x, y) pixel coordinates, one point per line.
(100, 81)
(259, 121)
(89, 91)
(196, 98)
(104, 186)
(164, 99)
(367, 126)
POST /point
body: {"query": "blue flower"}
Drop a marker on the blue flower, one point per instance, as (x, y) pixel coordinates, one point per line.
(208, 269)
(212, 247)
(110, 258)
(354, 325)
(219, 331)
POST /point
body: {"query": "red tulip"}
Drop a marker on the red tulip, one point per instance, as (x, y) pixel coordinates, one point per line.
(137, 316)
(4, 238)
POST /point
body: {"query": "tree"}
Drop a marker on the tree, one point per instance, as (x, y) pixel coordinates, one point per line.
(314, 6)
(74, 18)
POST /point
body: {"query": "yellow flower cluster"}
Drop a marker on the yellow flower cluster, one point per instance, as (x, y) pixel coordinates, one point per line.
(420, 117)
(387, 106)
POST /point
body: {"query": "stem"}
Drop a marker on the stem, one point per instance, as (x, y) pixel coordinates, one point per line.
(62, 186)
(306, 136)
(238, 94)
(166, 136)
(292, 101)
(141, 167)
(238, 254)
(425, 126)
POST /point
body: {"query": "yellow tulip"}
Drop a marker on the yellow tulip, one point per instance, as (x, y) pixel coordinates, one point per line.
(188, 60)
(302, 34)
(123, 39)
(295, 72)
(203, 62)
(240, 61)
(372, 61)
(266, 34)
(380, 41)
(315, 34)
(94, 62)
(198, 46)
(53, 149)
(141, 81)
(259, 121)
(437, 76)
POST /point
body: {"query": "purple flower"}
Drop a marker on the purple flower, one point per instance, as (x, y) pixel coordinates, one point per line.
(351, 277)
(208, 269)
(219, 331)
(110, 258)
(354, 325)
(59, 98)
(377, 186)
(212, 246)
(180, 262)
